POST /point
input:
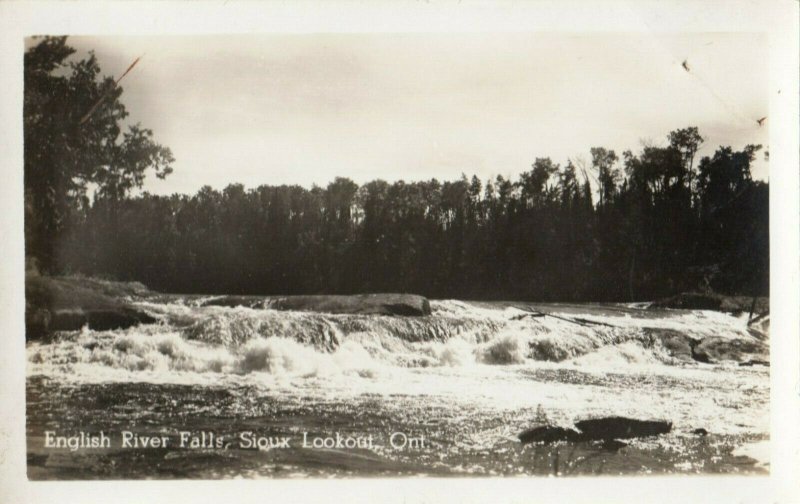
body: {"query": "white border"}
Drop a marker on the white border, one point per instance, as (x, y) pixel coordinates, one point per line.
(778, 18)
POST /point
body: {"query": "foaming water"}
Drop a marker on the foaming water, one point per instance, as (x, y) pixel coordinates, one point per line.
(489, 364)
(240, 341)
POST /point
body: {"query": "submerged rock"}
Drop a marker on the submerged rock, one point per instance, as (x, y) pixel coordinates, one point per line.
(612, 445)
(547, 350)
(753, 362)
(548, 434)
(409, 305)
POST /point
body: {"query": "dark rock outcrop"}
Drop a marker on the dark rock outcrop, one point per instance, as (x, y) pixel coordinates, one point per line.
(598, 429)
(69, 303)
(717, 349)
(711, 349)
(409, 305)
(621, 428)
(677, 345)
(234, 301)
(99, 320)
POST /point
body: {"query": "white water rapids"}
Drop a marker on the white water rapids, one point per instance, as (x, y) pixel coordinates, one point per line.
(475, 355)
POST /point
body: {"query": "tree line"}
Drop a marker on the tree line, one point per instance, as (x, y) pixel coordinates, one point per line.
(659, 225)
(626, 227)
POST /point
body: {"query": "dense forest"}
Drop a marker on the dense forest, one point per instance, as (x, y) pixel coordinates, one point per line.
(614, 228)
(659, 229)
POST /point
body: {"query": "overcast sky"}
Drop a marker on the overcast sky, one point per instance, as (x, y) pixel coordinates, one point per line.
(302, 109)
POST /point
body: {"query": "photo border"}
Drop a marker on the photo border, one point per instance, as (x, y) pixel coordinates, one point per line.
(777, 18)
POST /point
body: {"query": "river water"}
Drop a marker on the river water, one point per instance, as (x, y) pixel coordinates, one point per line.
(366, 395)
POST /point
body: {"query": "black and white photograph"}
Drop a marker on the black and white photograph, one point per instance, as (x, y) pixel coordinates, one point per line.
(398, 254)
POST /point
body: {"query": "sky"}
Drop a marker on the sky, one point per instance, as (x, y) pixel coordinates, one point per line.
(303, 109)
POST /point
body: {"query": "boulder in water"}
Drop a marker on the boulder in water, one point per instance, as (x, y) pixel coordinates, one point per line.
(40, 322)
(716, 349)
(711, 349)
(676, 344)
(621, 428)
(69, 303)
(598, 429)
(409, 305)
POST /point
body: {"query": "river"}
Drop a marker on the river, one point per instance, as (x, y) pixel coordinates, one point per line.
(241, 392)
